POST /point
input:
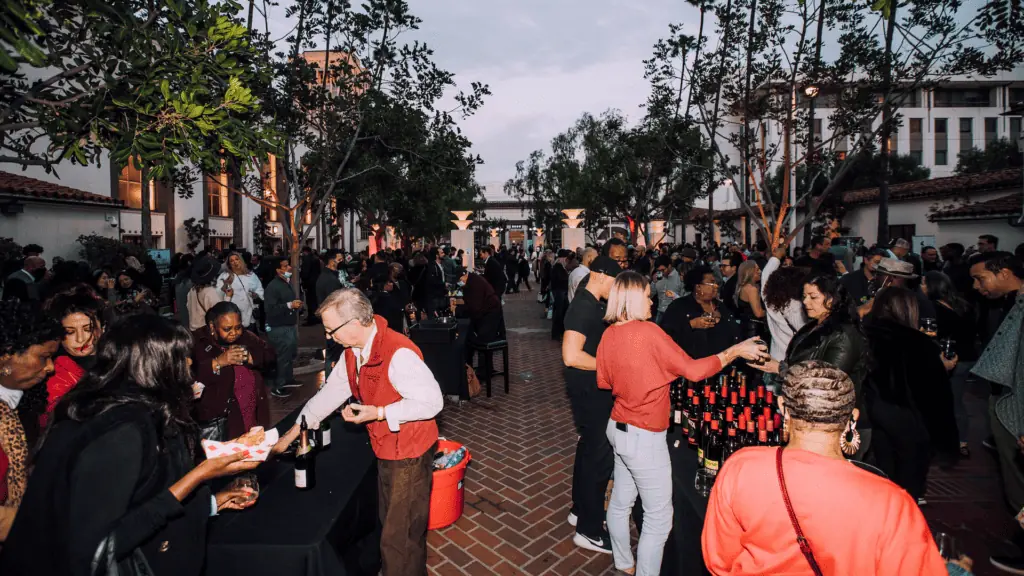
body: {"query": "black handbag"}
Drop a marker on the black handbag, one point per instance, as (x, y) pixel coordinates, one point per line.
(104, 561)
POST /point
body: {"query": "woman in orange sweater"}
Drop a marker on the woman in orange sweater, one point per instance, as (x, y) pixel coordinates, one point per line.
(637, 361)
(862, 524)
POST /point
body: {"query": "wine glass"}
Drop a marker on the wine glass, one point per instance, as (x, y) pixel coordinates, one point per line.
(949, 548)
(929, 326)
(948, 346)
(247, 482)
(703, 482)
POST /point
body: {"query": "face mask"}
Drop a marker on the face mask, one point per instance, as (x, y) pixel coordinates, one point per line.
(287, 275)
(461, 283)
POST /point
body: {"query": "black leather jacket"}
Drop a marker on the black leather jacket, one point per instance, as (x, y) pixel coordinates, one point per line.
(841, 345)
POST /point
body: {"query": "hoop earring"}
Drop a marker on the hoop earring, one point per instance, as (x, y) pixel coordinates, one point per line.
(849, 442)
(6, 371)
(785, 430)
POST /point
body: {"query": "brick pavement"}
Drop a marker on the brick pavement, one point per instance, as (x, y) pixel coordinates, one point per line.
(518, 484)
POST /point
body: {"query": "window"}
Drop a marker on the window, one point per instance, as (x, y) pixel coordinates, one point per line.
(364, 233)
(966, 134)
(917, 140)
(129, 188)
(219, 190)
(941, 142)
(991, 130)
(1015, 130)
(905, 231)
(270, 186)
(1016, 96)
(963, 98)
(909, 99)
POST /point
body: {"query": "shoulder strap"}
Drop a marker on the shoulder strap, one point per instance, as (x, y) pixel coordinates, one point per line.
(805, 546)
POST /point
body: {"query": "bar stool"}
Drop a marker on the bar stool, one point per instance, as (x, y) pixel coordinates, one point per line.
(485, 352)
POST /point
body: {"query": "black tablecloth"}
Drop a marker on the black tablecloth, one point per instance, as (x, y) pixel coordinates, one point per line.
(447, 360)
(682, 551)
(329, 530)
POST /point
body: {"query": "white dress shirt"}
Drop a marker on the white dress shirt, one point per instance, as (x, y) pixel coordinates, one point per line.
(575, 277)
(410, 377)
(243, 287)
(785, 323)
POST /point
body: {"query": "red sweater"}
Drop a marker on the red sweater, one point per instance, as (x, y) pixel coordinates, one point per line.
(637, 361)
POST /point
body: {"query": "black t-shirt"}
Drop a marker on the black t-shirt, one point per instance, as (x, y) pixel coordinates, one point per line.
(586, 316)
(823, 264)
(856, 284)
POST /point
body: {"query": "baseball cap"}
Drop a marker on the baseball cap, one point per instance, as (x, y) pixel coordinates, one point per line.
(605, 265)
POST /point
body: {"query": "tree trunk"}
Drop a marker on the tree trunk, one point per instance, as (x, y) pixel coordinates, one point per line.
(883, 183)
(147, 220)
(745, 140)
(811, 143)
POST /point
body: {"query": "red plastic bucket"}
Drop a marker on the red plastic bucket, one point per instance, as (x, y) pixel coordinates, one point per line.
(447, 495)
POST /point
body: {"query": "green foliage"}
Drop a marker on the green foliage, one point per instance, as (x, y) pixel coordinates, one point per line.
(998, 155)
(263, 242)
(197, 231)
(103, 252)
(9, 249)
(167, 82)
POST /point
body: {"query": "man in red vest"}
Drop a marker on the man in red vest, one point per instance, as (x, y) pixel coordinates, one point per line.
(396, 396)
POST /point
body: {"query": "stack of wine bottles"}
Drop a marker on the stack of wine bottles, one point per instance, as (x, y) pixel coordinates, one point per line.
(720, 415)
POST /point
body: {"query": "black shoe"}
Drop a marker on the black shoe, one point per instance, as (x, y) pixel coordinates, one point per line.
(276, 393)
(602, 544)
(1008, 564)
(292, 384)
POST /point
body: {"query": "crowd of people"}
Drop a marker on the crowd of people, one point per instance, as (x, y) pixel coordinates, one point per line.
(874, 349)
(97, 366)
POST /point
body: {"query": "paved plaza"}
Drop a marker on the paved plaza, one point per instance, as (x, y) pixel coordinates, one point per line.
(518, 484)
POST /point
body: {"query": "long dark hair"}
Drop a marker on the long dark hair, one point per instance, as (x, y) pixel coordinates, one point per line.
(784, 286)
(141, 359)
(842, 309)
(896, 304)
(941, 289)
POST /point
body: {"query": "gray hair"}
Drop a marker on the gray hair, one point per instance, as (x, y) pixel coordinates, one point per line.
(349, 303)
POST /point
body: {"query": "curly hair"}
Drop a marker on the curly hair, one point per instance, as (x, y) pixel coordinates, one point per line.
(79, 299)
(784, 286)
(841, 308)
(819, 393)
(23, 325)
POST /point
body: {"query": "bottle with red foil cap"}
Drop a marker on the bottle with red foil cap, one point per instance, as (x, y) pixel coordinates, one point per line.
(750, 438)
(732, 444)
(773, 434)
(705, 432)
(693, 421)
(762, 438)
(714, 448)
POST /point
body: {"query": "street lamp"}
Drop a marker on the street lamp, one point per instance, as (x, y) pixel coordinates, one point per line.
(810, 91)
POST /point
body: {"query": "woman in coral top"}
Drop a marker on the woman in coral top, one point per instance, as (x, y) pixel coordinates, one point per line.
(861, 524)
(80, 312)
(637, 361)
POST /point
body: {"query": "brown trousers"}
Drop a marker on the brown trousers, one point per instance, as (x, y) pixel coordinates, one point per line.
(403, 502)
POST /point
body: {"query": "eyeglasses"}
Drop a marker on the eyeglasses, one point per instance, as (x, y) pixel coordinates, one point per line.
(710, 285)
(330, 333)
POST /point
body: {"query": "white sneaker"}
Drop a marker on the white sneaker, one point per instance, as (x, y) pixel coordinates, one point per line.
(602, 545)
(572, 519)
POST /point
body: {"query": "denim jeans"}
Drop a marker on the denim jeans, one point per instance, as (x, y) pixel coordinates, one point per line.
(285, 340)
(958, 381)
(642, 466)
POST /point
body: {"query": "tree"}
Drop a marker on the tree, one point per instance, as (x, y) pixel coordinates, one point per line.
(885, 57)
(358, 120)
(157, 83)
(998, 155)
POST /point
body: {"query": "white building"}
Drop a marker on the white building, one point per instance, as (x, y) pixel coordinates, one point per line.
(937, 124)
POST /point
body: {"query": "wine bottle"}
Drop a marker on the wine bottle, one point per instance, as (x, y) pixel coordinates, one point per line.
(323, 436)
(732, 444)
(713, 453)
(751, 436)
(762, 438)
(305, 469)
(705, 433)
(773, 434)
(693, 424)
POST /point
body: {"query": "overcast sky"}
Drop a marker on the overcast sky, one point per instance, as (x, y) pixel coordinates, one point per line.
(546, 61)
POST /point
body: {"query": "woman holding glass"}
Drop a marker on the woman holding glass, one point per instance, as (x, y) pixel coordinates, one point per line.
(696, 322)
(637, 361)
(116, 486)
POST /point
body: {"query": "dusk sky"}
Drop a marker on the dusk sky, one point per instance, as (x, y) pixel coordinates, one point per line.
(546, 63)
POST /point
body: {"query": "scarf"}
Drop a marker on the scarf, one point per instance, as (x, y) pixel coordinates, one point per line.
(12, 442)
(1002, 362)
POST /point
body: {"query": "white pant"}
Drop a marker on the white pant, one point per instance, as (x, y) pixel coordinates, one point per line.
(642, 466)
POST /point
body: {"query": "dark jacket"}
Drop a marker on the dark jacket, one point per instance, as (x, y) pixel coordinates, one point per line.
(276, 297)
(479, 297)
(432, 283)
(699, 343)
(325, 284)
(728, 291)
(840, 344)
(309, 269)
(494, 272)
(388, 305)
(907, 391)
(108, 475)
(218, 397)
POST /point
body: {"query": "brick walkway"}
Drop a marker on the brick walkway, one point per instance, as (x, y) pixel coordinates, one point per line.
(518, 484)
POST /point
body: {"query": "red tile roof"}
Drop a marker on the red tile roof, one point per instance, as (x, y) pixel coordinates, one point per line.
(31, 188)
(720, 215)
(996, 207)
(939, 187)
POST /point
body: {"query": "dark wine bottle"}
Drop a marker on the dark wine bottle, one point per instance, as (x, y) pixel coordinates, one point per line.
(762, 438)
(773, 434)
(705, 433)
(713, 454)
(305, 467)
(751, 437)
(732, 444)
(693, 423)
(323, 436)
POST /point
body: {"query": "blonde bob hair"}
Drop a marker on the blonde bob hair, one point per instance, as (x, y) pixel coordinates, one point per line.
(628, 298)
